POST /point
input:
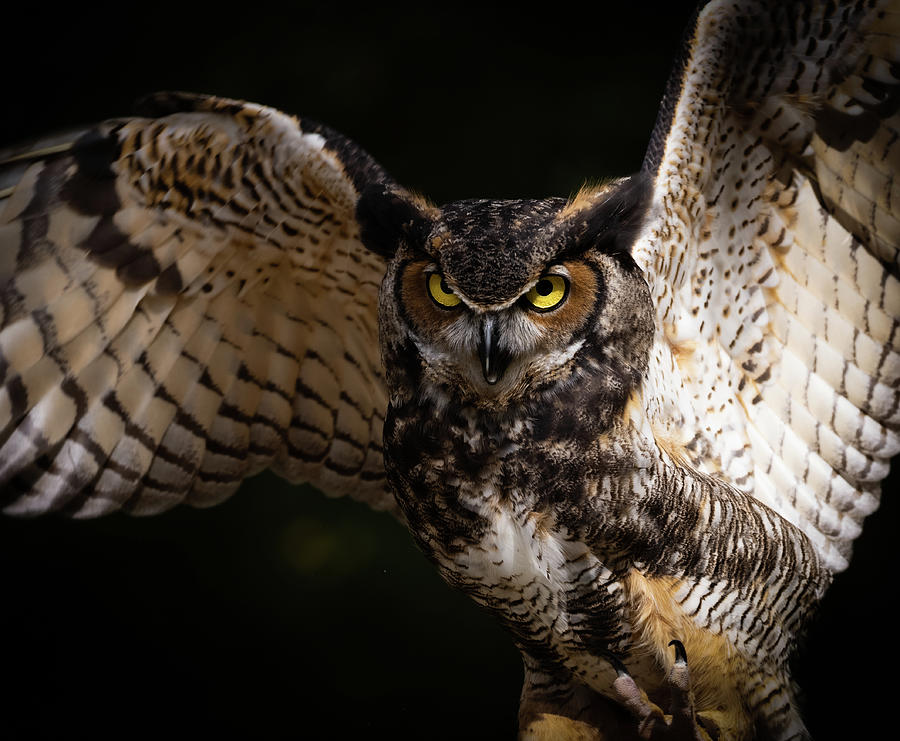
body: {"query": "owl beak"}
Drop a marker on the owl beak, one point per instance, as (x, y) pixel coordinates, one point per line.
(493, 362)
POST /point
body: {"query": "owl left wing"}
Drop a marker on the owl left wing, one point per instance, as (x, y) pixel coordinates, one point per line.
(771, 252)
(184, 300)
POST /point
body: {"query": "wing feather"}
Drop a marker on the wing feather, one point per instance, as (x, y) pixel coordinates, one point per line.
(772, 255)
(184, 301)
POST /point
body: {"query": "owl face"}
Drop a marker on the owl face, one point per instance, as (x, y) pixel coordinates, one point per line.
(493, 302)
(497, 351)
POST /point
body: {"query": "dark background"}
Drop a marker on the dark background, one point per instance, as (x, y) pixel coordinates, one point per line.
(281, 612)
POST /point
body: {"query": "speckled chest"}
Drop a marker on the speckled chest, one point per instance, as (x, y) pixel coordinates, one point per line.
(485, 503)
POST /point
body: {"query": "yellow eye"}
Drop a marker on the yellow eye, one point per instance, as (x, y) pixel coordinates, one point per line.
(440, 292)
(548, 293)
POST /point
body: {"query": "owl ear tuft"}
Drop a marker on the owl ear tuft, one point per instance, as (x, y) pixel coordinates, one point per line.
(388, 216)
(613, 224)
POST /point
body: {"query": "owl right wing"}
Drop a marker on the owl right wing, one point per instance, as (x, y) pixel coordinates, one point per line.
(772, 255)
(184, 301)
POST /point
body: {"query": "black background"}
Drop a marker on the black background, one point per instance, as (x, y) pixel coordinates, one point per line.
(281, 612)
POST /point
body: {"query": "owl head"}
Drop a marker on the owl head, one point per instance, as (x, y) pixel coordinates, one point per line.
(494, 303)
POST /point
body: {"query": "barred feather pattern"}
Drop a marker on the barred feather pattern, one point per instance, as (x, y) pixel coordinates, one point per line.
(771, 255)
(184, 300)
(773, 260)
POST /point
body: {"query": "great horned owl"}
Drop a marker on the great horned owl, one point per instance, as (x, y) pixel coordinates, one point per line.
(190, 296)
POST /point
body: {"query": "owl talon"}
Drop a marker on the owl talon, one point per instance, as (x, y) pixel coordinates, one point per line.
(648, 714)
(682, 723)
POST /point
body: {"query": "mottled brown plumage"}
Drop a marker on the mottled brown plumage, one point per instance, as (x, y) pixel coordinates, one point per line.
(641, 423)
(546, 498)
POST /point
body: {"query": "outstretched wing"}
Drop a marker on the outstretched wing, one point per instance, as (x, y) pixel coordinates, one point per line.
(771, 252)
(184, 301)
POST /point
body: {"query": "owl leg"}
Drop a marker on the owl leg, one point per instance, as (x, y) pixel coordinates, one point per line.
(555, 707)
(681, 724)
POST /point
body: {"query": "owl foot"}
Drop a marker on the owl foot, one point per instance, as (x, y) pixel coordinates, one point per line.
(682, 723)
